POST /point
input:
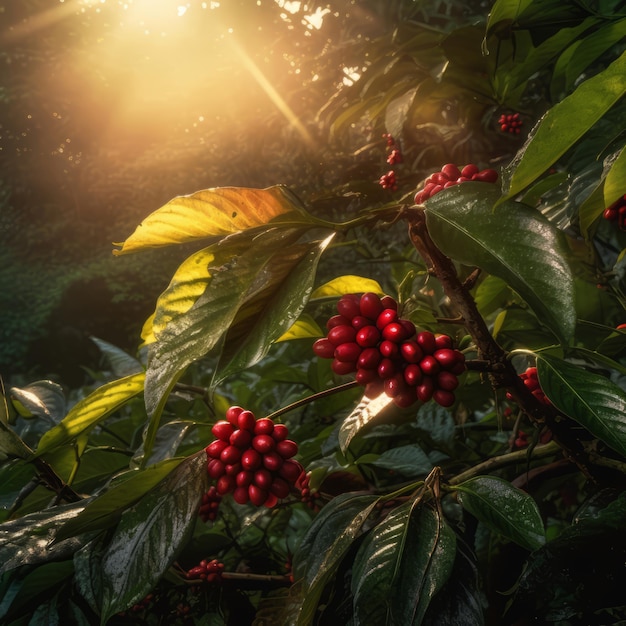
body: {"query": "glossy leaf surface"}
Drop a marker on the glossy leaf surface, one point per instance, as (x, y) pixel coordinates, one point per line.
(528, 253)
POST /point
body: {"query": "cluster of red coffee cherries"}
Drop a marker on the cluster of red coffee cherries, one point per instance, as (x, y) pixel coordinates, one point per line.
(210, 504)
(450, 175)
(307, 495)
(531, 381)
(211, 571)
(617, 212)
(510, 123)
(387, 354)
(390, 180)
(252, 458)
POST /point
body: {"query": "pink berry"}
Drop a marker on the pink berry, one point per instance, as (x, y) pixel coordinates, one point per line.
(469, 170)
(451, 171)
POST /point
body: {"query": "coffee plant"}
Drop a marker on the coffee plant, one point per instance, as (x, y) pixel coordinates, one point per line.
(440, 439)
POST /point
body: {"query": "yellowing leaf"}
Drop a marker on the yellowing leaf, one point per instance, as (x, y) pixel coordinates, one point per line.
(304, 328)
(347, 284)
(212, 213)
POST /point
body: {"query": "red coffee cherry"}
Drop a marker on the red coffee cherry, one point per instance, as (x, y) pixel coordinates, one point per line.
(411, 351)
(257, 495)
(287, 448)
(369, 359)
(425, 389)
(241, 438)
(251, 459)
(215, 448)
(387, 316)
(443, 397)
(337, 320)
(263, 443)
(447, 381)
(244, 478)
(426, 341)
(443, 341)
(451, 171)
(240, 495)
(405, 399)
(412, 375)
(215, 468)
(232, 414)
(348, 352)
(446, 357)
(370, 306)
(280, 488)
(290, 470)
(486, 176)
(264, 426)
(232, 469)
(368, 337)
(348, 305)
(225, 484)
(363, 376)
(388, 348)
(246, 421)
(263, 478)
(429, 365)
(272, 461)
(389, 303)
(395, 332)
(280, 432)
(341, 368)
(469, 170)
(386, 369)
(360, 321)
(223, 430)
(341, 334)
(230, 454)
(324, 348)
(395, 385)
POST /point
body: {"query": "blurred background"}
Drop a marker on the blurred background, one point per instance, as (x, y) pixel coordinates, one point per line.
(109, 108)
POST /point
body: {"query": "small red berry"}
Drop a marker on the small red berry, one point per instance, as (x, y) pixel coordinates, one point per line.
(370, 306)
(287, 448)
(349, 305)
(443, 397)
(232, 414)
(246, 421)
(341, 334)
(263, 443)
(368, 337)
(324, 348)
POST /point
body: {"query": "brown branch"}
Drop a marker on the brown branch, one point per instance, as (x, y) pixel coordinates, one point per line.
(501, 372)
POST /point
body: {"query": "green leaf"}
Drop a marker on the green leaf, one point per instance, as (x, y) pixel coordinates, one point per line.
(504, 509)
(200, 304)
(491, 295)
(590, 399)
(409, 461)
(275, 301)
(460, 600)
(150, 535)
(429, 556)
(121, 363)
(565, 123)
(326, 542)
(438, 423)
(346, 284)
(514, 242)
(88, 412)
(615, 181)
(364, 413)
(214, 213)
(43, 398)
(28, 540)
(378, 566)
(105, 510)
(504, 14)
